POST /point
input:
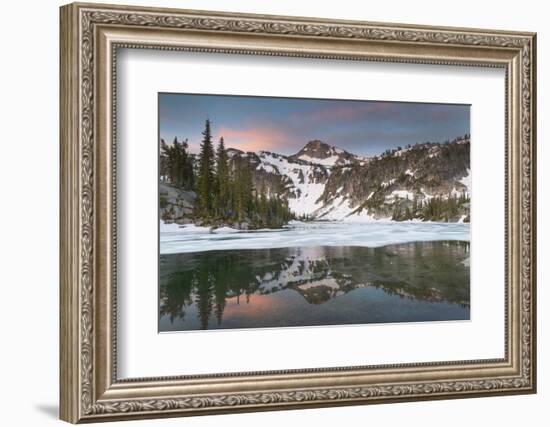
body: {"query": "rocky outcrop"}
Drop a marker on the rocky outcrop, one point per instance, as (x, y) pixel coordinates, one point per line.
(318, 152)
(176, 205)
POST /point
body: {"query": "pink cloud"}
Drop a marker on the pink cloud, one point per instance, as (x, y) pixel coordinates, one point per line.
(254, 139)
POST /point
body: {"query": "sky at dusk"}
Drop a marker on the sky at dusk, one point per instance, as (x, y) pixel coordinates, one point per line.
(285, 125)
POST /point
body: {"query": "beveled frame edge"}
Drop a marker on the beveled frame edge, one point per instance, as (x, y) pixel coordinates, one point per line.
(88, 391)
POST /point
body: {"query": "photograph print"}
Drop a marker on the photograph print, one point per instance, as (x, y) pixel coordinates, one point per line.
(294, 212)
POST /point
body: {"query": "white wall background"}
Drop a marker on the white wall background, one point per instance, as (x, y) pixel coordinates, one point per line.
(29, 170)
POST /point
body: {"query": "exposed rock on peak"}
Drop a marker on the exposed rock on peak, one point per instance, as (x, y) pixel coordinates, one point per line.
(319, 152)
(318, 149)
(233, 152)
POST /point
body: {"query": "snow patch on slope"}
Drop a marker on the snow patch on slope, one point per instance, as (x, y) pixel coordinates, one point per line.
(338, 209)
(467, 181)
(304, 188)
(329, 161)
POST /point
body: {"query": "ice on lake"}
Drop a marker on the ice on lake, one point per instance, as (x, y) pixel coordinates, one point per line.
(190, 238)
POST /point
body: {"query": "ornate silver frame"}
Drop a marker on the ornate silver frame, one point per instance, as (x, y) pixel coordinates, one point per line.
(90, 36)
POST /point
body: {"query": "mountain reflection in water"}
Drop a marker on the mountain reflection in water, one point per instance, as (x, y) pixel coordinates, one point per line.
(322, 285)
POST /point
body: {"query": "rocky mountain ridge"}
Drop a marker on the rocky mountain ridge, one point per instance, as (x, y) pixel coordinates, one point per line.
(323, 182)
(426, 181)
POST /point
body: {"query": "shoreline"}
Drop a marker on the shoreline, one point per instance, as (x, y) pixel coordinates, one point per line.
(317, 247)
(173, 227)
(199, 239)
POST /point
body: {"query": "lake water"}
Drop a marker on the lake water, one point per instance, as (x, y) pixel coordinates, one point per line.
(312, 279)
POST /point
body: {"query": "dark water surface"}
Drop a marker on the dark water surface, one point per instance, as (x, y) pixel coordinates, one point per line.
(321, 285)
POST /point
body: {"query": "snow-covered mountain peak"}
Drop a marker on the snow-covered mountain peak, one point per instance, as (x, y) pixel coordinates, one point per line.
(324, 182)
(233, 152)
(319, 150)
(321, 153)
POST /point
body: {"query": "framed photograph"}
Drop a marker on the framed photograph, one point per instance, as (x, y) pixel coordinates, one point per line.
(266, 212)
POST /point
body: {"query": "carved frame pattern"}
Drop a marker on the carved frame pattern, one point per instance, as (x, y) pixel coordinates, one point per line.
(79, 400)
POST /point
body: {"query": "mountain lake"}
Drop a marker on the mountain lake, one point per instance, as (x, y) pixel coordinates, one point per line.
(312, 274)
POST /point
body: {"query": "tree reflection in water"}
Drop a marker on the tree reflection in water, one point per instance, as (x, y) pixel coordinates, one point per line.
(204, 282)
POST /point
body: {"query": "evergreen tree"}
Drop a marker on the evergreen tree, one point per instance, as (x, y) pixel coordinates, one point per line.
(263, 208)
(225, 187)
(187, 173)
(415, 205)
(206, 184)
(231, 195)
(223, 183)
(163, 161)
(176, 165)
(247, 190)
(243, 189)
